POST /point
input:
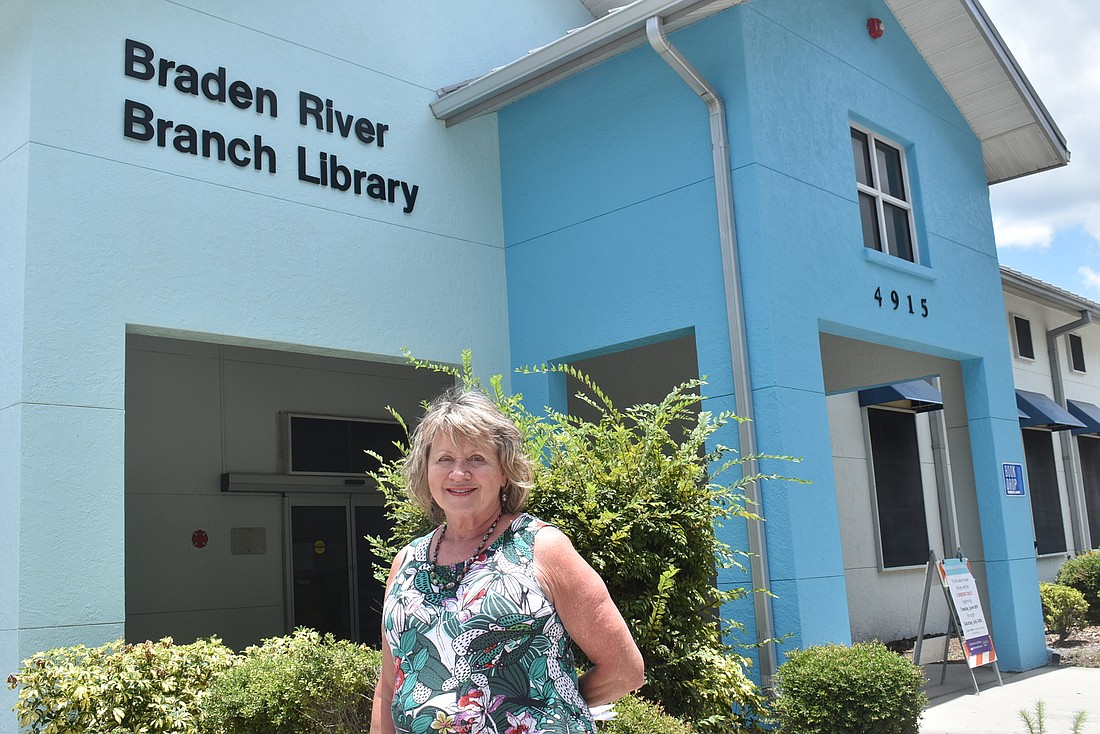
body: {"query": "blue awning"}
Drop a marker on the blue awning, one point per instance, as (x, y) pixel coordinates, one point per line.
(1044, 413)
(1087, 413)
(916, 395)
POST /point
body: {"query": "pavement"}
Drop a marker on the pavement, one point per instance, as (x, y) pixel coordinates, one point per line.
(954, 708)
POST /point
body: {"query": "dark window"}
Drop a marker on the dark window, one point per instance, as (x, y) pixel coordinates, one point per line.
(1076, 353)
(1046, 502)
(885, 206)
(1089, 448)
(899, 494)
(1024, 347)
(320, 445)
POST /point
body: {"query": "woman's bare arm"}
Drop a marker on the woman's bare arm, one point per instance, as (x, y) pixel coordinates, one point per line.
(590, 617)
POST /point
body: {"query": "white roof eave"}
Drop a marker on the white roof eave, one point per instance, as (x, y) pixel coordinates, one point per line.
(971, 60)
(615, 33)
(956, 38)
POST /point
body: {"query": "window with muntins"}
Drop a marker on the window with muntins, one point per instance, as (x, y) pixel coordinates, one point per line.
(1076, 353)
(1022, 328)
(899, 492)
(885, 203)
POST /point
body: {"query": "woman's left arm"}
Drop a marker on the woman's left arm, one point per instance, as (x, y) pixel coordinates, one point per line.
(590, 617)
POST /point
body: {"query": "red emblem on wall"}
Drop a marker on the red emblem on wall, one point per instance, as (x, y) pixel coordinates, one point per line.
(199, 538)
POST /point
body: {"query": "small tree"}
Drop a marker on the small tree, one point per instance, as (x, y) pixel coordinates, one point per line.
(640, 502)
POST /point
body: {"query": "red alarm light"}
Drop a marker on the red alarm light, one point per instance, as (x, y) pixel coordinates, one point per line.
(875, 28)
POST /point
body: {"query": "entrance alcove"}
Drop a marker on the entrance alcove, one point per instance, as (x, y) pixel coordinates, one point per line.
(904, 480)
(224, 535)
(634, 374)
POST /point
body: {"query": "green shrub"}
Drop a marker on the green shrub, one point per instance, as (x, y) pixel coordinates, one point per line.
(304, 682)
(155, 687)
(862, 689)
(635, 715)
(640, 497)
(1064, 609)
(1083, 573)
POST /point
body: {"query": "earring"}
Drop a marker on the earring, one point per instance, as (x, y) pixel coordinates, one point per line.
(503, 496)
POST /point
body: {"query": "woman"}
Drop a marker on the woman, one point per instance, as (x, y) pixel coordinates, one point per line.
(480, 613)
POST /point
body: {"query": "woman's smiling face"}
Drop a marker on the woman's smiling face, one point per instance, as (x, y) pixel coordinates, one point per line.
(465, 478)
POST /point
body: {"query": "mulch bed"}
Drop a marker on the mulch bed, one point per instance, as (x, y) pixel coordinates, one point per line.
(1082, 648)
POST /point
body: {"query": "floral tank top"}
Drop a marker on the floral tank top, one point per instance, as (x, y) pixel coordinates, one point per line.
(488, 657)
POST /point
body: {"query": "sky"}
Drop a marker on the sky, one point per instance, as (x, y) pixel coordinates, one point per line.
(1048, 224)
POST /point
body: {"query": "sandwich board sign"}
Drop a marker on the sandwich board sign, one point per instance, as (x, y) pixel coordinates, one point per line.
(962, 590)
(966, 621)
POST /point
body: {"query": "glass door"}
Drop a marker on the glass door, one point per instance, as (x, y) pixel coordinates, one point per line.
(321, 568)
(331, 585)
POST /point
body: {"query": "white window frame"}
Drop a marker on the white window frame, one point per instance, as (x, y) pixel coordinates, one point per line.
(880, 196)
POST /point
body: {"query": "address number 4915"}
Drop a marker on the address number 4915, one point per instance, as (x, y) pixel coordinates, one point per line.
(898, 300)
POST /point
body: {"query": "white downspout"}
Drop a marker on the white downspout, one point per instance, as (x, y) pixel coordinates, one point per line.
(727, 237)
(1070, 459)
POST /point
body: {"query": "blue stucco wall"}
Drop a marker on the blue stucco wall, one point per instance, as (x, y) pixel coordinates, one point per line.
(611, 237)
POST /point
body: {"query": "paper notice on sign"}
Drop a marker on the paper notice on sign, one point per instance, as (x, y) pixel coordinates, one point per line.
(956, 576)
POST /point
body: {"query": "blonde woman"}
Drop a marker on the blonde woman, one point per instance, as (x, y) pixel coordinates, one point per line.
(480, 613)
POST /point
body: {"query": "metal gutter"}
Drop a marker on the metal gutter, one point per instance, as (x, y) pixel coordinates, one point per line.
(1025, 286)
(731, 273)
(615, 33)
(1035, 146)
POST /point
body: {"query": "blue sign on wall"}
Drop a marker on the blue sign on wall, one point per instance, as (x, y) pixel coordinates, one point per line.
(1014, 479)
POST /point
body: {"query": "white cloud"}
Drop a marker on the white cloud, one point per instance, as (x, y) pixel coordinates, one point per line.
(1024, 234)
(1089, 277)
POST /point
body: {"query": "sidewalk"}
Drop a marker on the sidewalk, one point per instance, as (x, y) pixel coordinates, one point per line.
(955, 709)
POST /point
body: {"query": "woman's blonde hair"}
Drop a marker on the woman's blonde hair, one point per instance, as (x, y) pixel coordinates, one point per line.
(471, 416)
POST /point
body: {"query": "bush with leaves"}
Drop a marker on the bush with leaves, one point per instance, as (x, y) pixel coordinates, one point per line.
(634, 715)
(862, 689)
(1064, 609)
(640, 499)
(154, 687)
(1083, 573)
(304, 682)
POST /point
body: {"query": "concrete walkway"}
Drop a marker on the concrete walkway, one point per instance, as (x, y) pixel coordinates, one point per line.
(955, 709)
